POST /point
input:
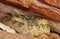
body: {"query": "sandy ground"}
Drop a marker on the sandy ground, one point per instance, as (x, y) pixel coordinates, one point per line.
(6, 35)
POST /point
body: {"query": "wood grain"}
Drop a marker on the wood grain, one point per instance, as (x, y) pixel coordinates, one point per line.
(47, 11)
